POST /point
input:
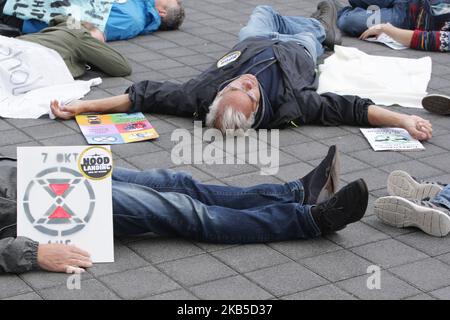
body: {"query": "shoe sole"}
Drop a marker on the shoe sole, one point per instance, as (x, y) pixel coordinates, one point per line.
(401, 184)
(336, 32)
(401, 213)
(365, 193)
(333, 179)
(438, 104)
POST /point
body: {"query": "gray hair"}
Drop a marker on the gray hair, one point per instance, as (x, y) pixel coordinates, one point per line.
(228, 119)
(174, 18)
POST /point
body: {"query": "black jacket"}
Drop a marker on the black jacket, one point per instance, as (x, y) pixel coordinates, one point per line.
(16, 254)
(299, 102)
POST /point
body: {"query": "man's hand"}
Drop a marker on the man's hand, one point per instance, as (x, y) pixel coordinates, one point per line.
(66, 112)
(374, 31)
(417, 127)
(63, 258)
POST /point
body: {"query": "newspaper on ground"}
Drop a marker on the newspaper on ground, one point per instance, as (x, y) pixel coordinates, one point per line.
(391, 139)
(388, 41)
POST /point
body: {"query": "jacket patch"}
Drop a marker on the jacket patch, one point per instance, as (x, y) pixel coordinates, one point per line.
(229, 58)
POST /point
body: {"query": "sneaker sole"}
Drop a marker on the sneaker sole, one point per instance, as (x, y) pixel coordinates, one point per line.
(401, 184)
(401, 213)
(438, 104)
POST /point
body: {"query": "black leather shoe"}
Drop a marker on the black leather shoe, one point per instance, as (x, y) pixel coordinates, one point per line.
(327, 15)
(347, 206)
(322, 182)
(9, 31)
(437, 103)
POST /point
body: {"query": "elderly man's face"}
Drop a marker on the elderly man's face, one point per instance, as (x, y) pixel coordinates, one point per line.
(242, 93)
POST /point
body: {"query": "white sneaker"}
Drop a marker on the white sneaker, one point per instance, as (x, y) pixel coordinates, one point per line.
(401, 184)
(400, 213)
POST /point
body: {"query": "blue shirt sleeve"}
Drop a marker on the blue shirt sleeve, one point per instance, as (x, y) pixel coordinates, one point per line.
(33, 26)
(130, 19)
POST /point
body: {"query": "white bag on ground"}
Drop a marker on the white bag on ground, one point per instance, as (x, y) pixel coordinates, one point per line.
(385, 80)
(31, 76)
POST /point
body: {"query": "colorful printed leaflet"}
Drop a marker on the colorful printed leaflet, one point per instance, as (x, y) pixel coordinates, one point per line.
(117, 128)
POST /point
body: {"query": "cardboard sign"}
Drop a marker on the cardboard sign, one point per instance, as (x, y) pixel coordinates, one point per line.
(64, 196)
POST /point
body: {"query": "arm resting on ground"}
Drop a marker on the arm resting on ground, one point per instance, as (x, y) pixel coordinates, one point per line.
(18, 255)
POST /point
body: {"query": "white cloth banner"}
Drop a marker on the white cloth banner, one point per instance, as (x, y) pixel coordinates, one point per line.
(31, 76)
(385, 80)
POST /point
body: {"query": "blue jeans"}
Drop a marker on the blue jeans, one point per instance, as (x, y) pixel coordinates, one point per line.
(356, 19)
(443, 198)
(267, 23)
(171, 203)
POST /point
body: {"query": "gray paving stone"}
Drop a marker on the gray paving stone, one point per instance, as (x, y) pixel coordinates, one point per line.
(293, 171)
(375, 178)
(89, 290)
(4, 125)
(339, 265)
(71, 140)
(249, 180)
(415, 168)
(180, 294)
(139, 283)
(378, 159)
(430, 245)
(11, 150)
(12, 285)
(444, 258)
(162, 249)
(348, 164)
(211, 247)
(389, 253)
(226, 170)
(427, 274)
(195, 270)
(443, 294)
(439, 162)
(391, 288)
(300, 249)
(356, 234)
(422, 296)
(42, 279)
(210, 30)
(328, 292)
(442, 141)
(286, 279)
(26, 296)
(290, 137)
(321, 132)
(376, 223)
(152, 160)
(234, 288)
(125, 259)
(348, 143)
(250, 257)
(134, 149)
(307, 151)
(13, 137)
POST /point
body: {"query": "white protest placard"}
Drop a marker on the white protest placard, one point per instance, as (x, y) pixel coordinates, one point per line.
(391, 139)
(64, 196)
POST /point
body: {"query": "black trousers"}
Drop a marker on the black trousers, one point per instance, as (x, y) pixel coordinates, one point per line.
(9, 20)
